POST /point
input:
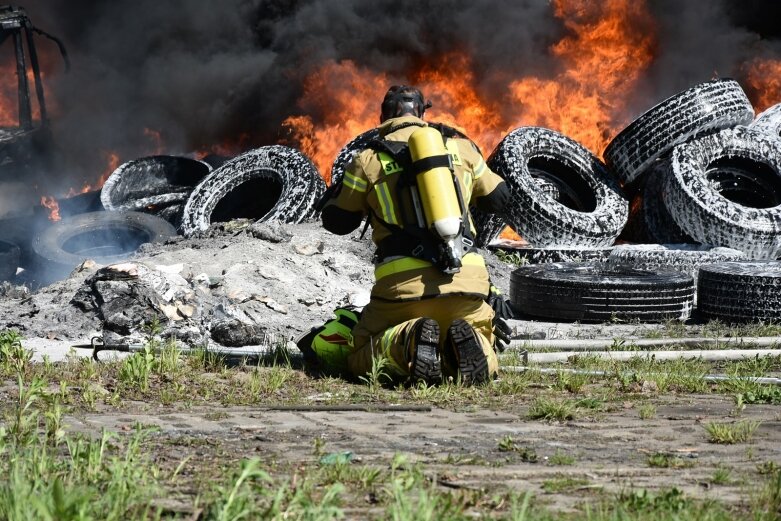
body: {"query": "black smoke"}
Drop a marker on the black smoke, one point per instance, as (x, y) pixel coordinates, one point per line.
(202, 72)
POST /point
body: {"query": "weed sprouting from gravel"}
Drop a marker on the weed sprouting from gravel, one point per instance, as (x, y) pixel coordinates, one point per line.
(728, 433)
(647, 411)
(552, 410)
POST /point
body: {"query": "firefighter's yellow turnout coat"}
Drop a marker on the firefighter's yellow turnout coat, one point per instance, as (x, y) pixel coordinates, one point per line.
(408, 288)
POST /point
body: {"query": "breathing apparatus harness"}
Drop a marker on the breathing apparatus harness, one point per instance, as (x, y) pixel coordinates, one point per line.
(422, 237)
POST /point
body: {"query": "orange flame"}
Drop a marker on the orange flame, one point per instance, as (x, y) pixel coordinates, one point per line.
(602, 62)
(53, 206)
(763, 81)
(112, 162)
(609, 47)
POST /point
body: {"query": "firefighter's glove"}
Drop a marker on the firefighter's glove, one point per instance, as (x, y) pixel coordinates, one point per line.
(502, 312)
(502, 332)
(500, 304)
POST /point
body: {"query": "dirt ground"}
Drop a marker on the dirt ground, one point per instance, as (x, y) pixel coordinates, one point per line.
(610, 450)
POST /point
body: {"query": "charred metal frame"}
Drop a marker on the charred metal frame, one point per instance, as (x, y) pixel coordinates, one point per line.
(15, 23)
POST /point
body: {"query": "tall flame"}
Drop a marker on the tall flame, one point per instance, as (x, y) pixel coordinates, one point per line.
(608, 47)
(763, 80)
(601, 62)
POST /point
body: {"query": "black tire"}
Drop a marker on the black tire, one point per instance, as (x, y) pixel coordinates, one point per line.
(587, 209)
(10, 255)
(488, 226)
(725, 190)
(741, 291)
(149, 177)
(660, 227)
(588, 292)
(684, 258)
(705, 107)
(769, 121)
(348, 152)
(105, 237)
(550, 255)
(268, 183)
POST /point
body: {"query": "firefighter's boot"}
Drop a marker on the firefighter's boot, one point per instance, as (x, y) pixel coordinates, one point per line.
(465, 356)
(424, 358)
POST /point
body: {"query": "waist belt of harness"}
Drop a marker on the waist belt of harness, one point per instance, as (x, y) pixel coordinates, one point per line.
(428, 250)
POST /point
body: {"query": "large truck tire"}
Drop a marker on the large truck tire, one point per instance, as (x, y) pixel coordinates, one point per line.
(709, 106)
(105, 237)
(589, 292)
(768, 121)
(577, 204)
(660, 226)
(551, 255)
(684, 258)
(158, 185)
(725, 190)
(269, 183)
(348, 152)
(735, 292)
(488, 227)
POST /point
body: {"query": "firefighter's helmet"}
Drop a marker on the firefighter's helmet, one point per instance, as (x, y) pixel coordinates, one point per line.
(401, 100)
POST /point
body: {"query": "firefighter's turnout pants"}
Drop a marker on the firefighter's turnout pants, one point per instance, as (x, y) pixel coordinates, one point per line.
(386, 328)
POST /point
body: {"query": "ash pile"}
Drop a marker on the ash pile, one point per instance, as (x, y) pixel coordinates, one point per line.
(681, 220)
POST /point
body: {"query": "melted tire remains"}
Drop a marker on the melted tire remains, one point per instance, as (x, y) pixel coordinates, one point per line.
(269, 183)
(725, 190)
(710, 106)
(586, 209)
(589, 292)
(156, 184)
(741, 291)
(10, 255)
(105, 237)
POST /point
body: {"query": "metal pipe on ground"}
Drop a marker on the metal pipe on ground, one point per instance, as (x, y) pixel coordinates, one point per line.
(707, 355)
(586, 372)
(570, 344)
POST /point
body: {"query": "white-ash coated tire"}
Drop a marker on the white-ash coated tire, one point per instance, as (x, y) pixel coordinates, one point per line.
(768, 121)
(550, 255)
(288, 180)
(685, 258)
(736, 292)
(595, 210)
(660, 227)
(589, 292)
(740, 163)
(709, 106)
(151, 176)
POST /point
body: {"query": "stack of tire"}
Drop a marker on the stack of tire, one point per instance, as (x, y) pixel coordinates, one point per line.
(703, 184)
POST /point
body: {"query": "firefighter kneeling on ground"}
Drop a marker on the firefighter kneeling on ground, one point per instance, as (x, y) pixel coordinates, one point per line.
(428, 313)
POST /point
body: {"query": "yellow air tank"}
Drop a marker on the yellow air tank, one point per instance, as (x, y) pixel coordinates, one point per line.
(436, 185)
